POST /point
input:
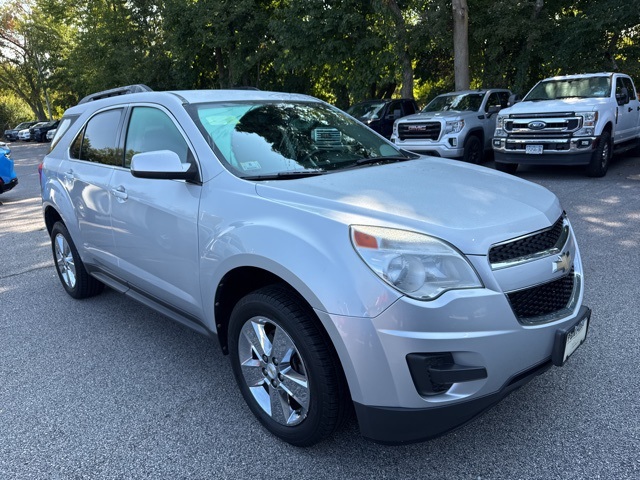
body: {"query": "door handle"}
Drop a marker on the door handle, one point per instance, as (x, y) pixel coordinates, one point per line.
(120, 193)
(68, 175)
(630, 109)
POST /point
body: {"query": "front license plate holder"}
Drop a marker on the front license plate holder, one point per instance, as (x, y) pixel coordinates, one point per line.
(568, 339)
(533, 149)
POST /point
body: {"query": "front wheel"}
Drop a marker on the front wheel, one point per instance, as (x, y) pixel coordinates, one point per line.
(285, 367)
(601, 157)
(71, 271)
(473, 150)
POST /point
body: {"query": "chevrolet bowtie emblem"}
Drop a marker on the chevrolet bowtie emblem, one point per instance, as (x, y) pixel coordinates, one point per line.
(562, 263)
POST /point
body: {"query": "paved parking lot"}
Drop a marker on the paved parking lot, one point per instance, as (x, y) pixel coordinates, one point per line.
(106, 388)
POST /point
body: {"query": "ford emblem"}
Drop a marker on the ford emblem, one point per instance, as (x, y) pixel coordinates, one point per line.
(536, 125)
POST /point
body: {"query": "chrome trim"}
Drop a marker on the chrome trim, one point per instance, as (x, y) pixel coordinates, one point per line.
(556, 249)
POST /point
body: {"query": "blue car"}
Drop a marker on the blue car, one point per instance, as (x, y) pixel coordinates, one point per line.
(8, 177)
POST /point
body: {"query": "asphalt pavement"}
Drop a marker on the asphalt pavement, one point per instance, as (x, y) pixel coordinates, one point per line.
(105, 388)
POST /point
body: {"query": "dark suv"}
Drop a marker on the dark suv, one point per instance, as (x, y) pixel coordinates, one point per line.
(39, 133)
(379, 115)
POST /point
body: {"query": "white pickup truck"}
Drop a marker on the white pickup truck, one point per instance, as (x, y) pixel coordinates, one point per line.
(570, 120)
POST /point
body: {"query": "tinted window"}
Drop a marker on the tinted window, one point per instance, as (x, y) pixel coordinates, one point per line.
(97, 141)
(151, 130)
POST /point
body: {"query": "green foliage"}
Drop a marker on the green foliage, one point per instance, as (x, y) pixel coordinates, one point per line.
(12, 111)
(339, 50)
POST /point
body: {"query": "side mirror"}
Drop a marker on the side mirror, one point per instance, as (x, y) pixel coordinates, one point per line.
(513, 99)
(160, 164)
(493, 109)
(623, 97)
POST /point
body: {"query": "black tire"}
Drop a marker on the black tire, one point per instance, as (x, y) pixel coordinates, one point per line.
(601, 157)
(507, 167)
(71, 271)
(309, 409)
(473, 150)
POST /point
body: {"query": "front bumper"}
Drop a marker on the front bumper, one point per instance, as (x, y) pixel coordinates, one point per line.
(556, 151)
(429, 147)
(475, 329)
(5, 187)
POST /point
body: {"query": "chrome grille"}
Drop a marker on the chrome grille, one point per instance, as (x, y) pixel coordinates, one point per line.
(422, 130)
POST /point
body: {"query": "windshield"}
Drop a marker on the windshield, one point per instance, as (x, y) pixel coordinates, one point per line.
(260, 139)
(365, 110)
(593, 87)
(460, 103)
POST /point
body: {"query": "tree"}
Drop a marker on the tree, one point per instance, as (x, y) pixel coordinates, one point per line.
(461, 44)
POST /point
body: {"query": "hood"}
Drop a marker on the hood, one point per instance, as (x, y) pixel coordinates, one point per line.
(426, 116)
(469, 206)
(551, 106)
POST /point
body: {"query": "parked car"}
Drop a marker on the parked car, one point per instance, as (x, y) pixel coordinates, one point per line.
(8, 177)
(453, 125)
(51, 134)
(24, 135)
(333, 267)
(12, 134)
(39, 131)
(379, 115)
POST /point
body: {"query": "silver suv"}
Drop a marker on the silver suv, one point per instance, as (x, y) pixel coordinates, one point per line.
(334, 268)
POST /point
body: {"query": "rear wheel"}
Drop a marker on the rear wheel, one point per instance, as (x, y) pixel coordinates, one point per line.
(285, 367)
(473, 150)
(73, 276)
(601, 157)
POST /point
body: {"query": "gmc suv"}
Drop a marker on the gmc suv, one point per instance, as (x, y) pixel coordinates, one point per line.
(332, 267)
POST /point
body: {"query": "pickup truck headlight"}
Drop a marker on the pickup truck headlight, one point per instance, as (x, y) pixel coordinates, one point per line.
(418, 265)
(589, 120)
(500, 132)
(454, 126)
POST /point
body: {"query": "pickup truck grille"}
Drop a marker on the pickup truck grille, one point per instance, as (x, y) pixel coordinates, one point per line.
(542, 126)
(421, 131)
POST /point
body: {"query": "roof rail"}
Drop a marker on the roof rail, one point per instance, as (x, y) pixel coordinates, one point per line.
(115, 92)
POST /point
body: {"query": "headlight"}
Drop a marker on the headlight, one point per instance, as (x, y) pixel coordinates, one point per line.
(417, 265)
(589, 120)
(500, 121)
(454, 126)
(395, 128)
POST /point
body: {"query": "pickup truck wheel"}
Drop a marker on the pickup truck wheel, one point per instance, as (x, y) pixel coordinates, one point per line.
(286, 370)
(73, 276)
(601, 157)
(507, 167)
(473, 151)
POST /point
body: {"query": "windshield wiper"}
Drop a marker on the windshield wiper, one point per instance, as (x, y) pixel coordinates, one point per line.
(285, 175)
(571, 96)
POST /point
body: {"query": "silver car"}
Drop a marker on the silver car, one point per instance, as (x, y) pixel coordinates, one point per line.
(334, 268)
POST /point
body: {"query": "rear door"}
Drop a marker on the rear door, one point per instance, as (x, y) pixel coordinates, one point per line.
(155, 222)
(85, 174)
(627, 119)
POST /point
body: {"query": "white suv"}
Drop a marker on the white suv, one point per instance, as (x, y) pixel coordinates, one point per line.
(332, 267)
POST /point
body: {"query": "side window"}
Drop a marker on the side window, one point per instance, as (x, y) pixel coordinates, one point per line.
(493, 101)
(629, 84)
(619, 86)
(96, 142)
(409, 109)
(395, 109)
(150, 129)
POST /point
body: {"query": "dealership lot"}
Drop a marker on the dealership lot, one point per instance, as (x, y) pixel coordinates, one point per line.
(106, 388)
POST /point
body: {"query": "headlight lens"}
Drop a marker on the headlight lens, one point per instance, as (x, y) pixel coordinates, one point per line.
(454, 126)
(589, 120)
(417, 265)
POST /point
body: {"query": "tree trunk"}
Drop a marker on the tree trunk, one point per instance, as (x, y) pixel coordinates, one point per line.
(402, 48)
(461, 44)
